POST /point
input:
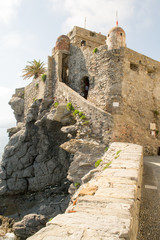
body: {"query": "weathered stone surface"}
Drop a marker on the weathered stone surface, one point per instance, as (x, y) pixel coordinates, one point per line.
(107, 206)
(9, 236)
(62, 115)
(17, 104)
(30, 224)
(14, 130)
(32, 159)
(86, 154)
(6, 227)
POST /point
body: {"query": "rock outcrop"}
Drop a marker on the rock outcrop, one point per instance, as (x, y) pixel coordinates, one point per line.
(32, 159)
(49, 147)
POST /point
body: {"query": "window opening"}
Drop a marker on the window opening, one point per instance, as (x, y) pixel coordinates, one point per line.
(92, 34)
(134, 67)
(85, 86)
(65, 68)
(83, 43)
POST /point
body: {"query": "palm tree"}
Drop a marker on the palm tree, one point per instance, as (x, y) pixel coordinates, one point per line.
(34, 69)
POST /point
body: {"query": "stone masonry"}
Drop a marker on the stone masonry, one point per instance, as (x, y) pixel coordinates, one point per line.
(107, 206)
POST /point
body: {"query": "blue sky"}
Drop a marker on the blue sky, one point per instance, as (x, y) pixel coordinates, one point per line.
(29, 29)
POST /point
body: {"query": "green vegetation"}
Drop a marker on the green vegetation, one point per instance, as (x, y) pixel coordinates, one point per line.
(80, 114)
(33, 69)
(75, 112)
(70, 107)
(43, 77)
(77, 185)
(156, 113)
(98, 162)
(83, 117)
(107, 165)
(35, 99)
(50, 219)
(106, 149)
(56, 104)
(86, 122)
(118, 152)
(95, 50)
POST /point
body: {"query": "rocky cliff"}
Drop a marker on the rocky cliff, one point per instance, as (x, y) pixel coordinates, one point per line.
(54, 144)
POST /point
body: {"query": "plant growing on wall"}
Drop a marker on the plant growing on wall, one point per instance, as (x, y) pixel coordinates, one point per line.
(98, 162)
(33, 69)
(95, 50)
(44, 76)
(156, 113)
(56, 104)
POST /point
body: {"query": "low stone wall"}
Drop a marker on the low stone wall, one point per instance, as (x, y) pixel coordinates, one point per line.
(107, 206)
(102, 122)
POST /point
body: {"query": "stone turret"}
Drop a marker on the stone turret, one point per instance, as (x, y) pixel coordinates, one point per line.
(62, 43)
(116, 38)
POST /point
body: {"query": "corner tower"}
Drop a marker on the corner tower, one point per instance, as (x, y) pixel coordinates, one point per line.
(116, 38)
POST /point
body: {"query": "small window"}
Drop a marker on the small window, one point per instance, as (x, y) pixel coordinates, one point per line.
(83, 43)
(121, 34)
(133, 66)
(92, 34)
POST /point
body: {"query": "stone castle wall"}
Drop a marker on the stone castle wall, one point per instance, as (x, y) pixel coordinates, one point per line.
(141, 101)
(104, 69)
(35, 90)
(125, 84)
(101, 121)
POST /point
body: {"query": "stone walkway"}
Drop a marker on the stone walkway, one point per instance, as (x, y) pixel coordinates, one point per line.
(106, 207)
(149, 222)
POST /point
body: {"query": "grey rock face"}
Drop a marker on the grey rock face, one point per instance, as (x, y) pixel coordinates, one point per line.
(86, 153)
(32, 159)
(29, 225)
(17, 104)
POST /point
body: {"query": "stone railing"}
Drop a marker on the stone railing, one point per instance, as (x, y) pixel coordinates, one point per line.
(102, 122)
(107, 206)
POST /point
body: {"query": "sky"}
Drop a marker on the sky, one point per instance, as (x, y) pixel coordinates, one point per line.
(29, 29)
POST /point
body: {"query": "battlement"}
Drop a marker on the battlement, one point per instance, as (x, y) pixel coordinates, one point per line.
(83, 37)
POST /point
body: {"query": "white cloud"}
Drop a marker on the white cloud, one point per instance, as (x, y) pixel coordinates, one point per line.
(8, 10)
(12, 40)
(101, 14)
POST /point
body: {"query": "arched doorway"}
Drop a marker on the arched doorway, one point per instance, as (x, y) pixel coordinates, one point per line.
(65, 68)
(85, 86)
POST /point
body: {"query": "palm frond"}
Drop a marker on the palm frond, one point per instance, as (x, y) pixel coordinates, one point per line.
(33, 69)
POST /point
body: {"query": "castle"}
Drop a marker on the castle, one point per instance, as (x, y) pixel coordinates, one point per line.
(112, 77)
(119, 80)
(97, 91)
